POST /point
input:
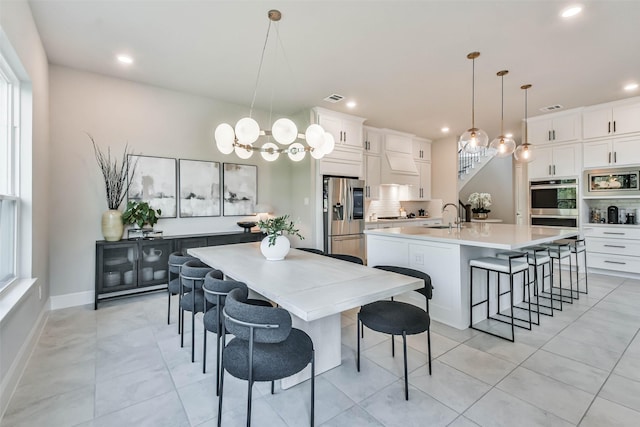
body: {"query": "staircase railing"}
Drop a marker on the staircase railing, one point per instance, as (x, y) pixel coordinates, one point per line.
(467, 161)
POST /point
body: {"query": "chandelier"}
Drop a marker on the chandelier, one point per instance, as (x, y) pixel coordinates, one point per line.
(241, 139)
(473, 140)
(524, 153)
(502, 145)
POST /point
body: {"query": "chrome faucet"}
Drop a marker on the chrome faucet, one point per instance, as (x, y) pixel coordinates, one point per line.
(458, 219)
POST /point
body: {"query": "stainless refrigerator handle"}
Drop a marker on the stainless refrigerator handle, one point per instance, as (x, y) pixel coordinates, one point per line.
(349, 237)
(350, 205)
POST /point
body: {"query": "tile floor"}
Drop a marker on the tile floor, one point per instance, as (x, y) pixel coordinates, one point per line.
(122, 365)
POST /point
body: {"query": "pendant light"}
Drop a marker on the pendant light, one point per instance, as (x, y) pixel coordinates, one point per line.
(524, 152)
(503, 146)
(473, 140)
(240, 139)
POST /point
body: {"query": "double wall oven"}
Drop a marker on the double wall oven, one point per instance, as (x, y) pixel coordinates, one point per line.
(554, 202)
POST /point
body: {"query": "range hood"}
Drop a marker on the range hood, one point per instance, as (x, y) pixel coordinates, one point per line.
(401, 163)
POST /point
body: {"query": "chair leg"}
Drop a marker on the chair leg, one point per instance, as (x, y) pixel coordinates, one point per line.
(358, 326)
(169, 307)
(204, 353)
(273, 387)
(193, 325)
(429, 347)
(406, 379)
(218, 361)
(249, 401)
(220, 397)
(393, 347)
(313, 386)
(181, 328)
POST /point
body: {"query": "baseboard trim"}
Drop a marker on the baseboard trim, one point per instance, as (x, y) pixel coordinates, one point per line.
(72, 300)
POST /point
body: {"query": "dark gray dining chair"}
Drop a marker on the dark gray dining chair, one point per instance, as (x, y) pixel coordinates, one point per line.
(265, 347)
(192, 276)
(349, 258)
(176, 259)
(312, 250)
(398, 318)
(215, 292)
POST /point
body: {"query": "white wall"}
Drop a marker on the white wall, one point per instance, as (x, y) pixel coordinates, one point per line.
(19, 327)
(155, 122)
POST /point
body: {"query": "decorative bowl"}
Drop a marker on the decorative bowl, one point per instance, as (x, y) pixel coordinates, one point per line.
(247, 225)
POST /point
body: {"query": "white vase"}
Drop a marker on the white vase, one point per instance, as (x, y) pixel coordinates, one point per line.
(112, 227)
(276, 252)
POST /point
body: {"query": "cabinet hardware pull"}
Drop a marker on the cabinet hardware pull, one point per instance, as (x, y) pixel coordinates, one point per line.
(554, 135)
(554, 169)
(609, 128)
(615, 155)
(615, 262)
(548, 135)
(614, 125)
(615, 246)
(611, 232)
(549, 169)
(609, 156)
(345, 136)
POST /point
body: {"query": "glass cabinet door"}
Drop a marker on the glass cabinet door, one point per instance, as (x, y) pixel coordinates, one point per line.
(154, 259)
(118, 267)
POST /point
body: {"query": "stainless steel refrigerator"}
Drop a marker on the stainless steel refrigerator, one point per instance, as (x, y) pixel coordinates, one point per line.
(343, 208)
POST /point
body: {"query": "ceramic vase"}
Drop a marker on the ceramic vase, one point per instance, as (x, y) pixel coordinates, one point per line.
(276, 252)
(112, 227)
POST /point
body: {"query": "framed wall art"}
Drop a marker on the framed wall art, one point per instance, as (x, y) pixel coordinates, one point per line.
(199, 188)
(240, 189)
(154, 182)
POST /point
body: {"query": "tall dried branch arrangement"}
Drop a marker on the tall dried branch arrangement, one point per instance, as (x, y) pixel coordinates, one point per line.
(115, 173)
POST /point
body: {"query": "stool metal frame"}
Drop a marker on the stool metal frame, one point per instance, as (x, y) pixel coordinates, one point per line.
(193, 312)
(535, 255)
(179, 266)
(577, 246)
(560, 250)
(511, 318)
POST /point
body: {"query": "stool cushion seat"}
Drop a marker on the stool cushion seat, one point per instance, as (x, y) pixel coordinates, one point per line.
(556, 251)
(394, 318)
(498, 264)
(176, 259)
(174, 286)
(535, 258)
(210, 317)
(186, 303)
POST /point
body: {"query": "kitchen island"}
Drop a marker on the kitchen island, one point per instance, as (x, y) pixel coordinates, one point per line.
(444, 254)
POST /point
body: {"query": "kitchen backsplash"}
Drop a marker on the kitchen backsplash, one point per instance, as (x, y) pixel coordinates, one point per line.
(388, 205)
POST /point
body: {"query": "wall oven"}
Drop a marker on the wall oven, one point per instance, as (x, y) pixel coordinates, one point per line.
(554, 202)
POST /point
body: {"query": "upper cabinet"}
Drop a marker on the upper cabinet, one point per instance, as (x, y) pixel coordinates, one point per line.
(421, 150)
(346, 129)
(556, 161)
(373, 140)
(564, 127)
(611, 119)
(611, 152)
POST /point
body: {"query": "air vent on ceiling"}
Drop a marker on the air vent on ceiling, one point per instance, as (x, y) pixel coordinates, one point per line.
(552, 108)
(333, 98)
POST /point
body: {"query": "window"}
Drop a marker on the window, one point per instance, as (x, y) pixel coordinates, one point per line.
(9, 197)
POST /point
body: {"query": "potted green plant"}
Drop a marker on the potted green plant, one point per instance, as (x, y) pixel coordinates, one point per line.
(275, 246)
(140, 213)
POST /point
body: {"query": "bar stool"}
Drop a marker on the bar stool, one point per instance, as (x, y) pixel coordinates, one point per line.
(539, 259)
(530, 307)
(515, 264)
(579, 246)
(558, 251)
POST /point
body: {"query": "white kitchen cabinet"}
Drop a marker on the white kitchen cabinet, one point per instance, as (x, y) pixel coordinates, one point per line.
(421, 149)
(373, 140)
(421, 189)
(372, 176)
(613, 248)
(611, 119)
(611, 152)
(346, 129)
(556, 161)
(554, 128)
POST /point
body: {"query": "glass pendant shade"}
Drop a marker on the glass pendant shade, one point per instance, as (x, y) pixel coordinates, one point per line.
(243, 153)
(503, 146)
(269, 152)
(329, 143)
(524, 153)
(224, 137)
(284, 131)
(474, 140)
(314, 135)
(247, 130)
(296, 152)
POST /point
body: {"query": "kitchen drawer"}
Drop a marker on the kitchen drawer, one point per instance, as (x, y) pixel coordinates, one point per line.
(613, 246)
(612, 232)
(620, 263)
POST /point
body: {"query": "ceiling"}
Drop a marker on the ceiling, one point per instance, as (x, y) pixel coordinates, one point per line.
(403, 62)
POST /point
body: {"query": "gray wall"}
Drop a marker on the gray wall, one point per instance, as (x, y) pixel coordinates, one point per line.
(495, 178)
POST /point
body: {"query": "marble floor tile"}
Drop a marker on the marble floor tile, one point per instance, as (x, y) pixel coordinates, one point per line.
(381, 355)
(500, 409)
(480, 365)
(623, 391)
(161, 411)
(439, 343)
(352, 417)
(591, 355)
(605, 413)
(462, 421)
(514, 352)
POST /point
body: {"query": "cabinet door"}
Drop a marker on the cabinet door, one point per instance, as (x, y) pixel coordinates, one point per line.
(373, 142)
(597, 154)
(566, 128)
(626, 119)
(425, 180)
(116, 267)
(539, 131)
(421, 150)
(626, 152)
(333, 125)
(154, 260)
(352, 133)
(566, 160)
(540, 166)
(596, 122)
(372, 177)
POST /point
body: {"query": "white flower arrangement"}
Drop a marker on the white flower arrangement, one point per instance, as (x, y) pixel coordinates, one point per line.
(480, 202)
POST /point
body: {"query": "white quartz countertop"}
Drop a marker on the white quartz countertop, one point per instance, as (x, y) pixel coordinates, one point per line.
(488, 235)
(418, 218)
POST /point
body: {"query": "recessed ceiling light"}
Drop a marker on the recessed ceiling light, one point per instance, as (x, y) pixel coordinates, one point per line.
(631, 86)
(571, 11)
(445, 129)
(125, 59)
(351, 104)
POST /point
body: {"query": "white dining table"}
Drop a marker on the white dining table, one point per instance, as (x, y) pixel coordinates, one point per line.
(315, 289)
